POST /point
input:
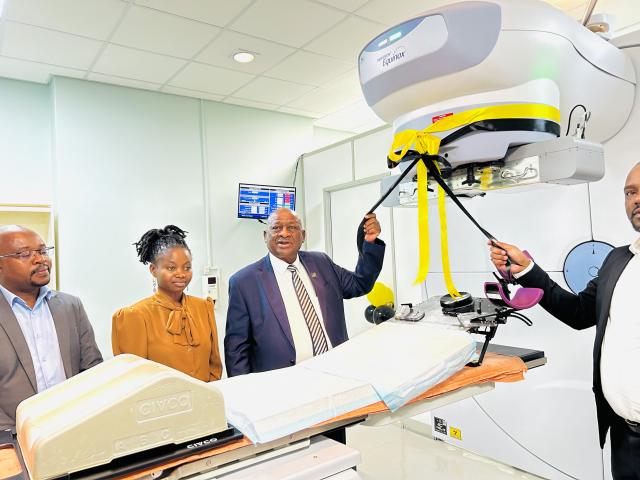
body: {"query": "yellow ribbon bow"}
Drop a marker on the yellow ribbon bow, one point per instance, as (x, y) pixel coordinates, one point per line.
(424, 141)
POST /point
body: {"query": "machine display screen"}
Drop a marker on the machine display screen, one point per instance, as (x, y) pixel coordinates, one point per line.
(258, 201)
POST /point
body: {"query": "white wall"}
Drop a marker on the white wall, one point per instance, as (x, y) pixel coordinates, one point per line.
(25, 137)
(323, 137)
(253, 146)
(116, 161)
(125, 161)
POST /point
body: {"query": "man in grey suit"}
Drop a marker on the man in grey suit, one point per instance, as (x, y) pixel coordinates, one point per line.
(45, 336)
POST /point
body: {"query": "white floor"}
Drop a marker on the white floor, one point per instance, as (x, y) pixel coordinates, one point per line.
(396, 453)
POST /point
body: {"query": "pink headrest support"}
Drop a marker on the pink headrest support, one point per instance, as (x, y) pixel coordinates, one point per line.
(523, 299)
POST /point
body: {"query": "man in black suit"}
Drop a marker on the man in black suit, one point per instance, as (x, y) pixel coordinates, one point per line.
(610, 303)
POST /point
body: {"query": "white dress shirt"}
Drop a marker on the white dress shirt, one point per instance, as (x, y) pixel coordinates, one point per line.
(299, 328)
(40, 334)
(620, 354)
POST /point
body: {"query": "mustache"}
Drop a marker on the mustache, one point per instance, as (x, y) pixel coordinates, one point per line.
(41, 268)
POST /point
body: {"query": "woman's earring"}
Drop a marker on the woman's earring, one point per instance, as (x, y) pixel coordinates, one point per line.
(155, 285)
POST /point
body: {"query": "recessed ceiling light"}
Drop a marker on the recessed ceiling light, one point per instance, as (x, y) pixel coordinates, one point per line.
(243, 57)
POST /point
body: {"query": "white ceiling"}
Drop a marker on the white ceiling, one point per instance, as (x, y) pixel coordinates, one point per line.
(306, 50)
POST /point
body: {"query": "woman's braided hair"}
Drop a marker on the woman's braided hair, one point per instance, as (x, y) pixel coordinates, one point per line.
(157, 240)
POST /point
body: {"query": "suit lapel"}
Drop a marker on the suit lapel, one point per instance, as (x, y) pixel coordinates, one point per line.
(10, 325)
(62, 331)
(612, 279)
(272, 291)
(609, 285)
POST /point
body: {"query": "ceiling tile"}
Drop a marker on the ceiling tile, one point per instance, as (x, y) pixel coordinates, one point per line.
(309, 68)
(367, 127)
(627, 14)
(332, 96)
(272, 91)
(354, 117)
(163, 33)
(391, 13)
(136, 64)
(197, 76)
(568, 4)
(223, 47)
(576, 13)
(347, 5)
(347, 39)
(47, 46)
(34, 72)
(292, 22)
(124, 82)
(250, 103)
(322, 100)
(90, 18)
(302, 113)
(191, 93)
(214, 12)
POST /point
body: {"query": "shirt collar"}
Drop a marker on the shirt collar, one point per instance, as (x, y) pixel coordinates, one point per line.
(635, 247)
(11, 298)
(280, 266)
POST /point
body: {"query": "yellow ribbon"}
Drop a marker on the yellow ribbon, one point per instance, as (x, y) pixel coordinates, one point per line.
(444, 245)
(423, 224)
(424, 141)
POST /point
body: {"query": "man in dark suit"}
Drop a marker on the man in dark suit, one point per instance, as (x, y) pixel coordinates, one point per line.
(45, 336)
(610, 303)
(288, 306)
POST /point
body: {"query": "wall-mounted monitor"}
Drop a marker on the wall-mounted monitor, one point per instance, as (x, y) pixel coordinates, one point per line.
(258, 201)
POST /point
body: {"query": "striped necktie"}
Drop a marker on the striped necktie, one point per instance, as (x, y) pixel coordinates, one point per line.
(318, 339)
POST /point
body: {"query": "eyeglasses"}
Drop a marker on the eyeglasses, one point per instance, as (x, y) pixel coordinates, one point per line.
(279, 228)
(27, 254)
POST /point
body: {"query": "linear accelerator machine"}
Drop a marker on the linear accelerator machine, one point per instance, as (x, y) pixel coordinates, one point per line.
(469, 56)
(522, 97)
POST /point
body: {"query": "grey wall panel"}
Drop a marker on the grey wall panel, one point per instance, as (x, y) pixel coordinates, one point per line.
(348, 206)
(370, 153)
(323, 169)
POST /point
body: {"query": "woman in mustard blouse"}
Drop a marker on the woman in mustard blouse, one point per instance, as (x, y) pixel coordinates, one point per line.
(170, 327)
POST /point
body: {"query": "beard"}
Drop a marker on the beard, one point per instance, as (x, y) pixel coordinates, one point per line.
(39, 280)
(634, 218)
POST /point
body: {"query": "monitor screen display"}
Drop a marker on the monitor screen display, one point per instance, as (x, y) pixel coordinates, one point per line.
(258, 201)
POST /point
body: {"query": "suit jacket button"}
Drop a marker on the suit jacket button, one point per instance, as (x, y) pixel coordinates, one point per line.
(292, 362)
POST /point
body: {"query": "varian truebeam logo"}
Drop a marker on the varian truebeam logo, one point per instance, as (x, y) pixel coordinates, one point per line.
(163, 406)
